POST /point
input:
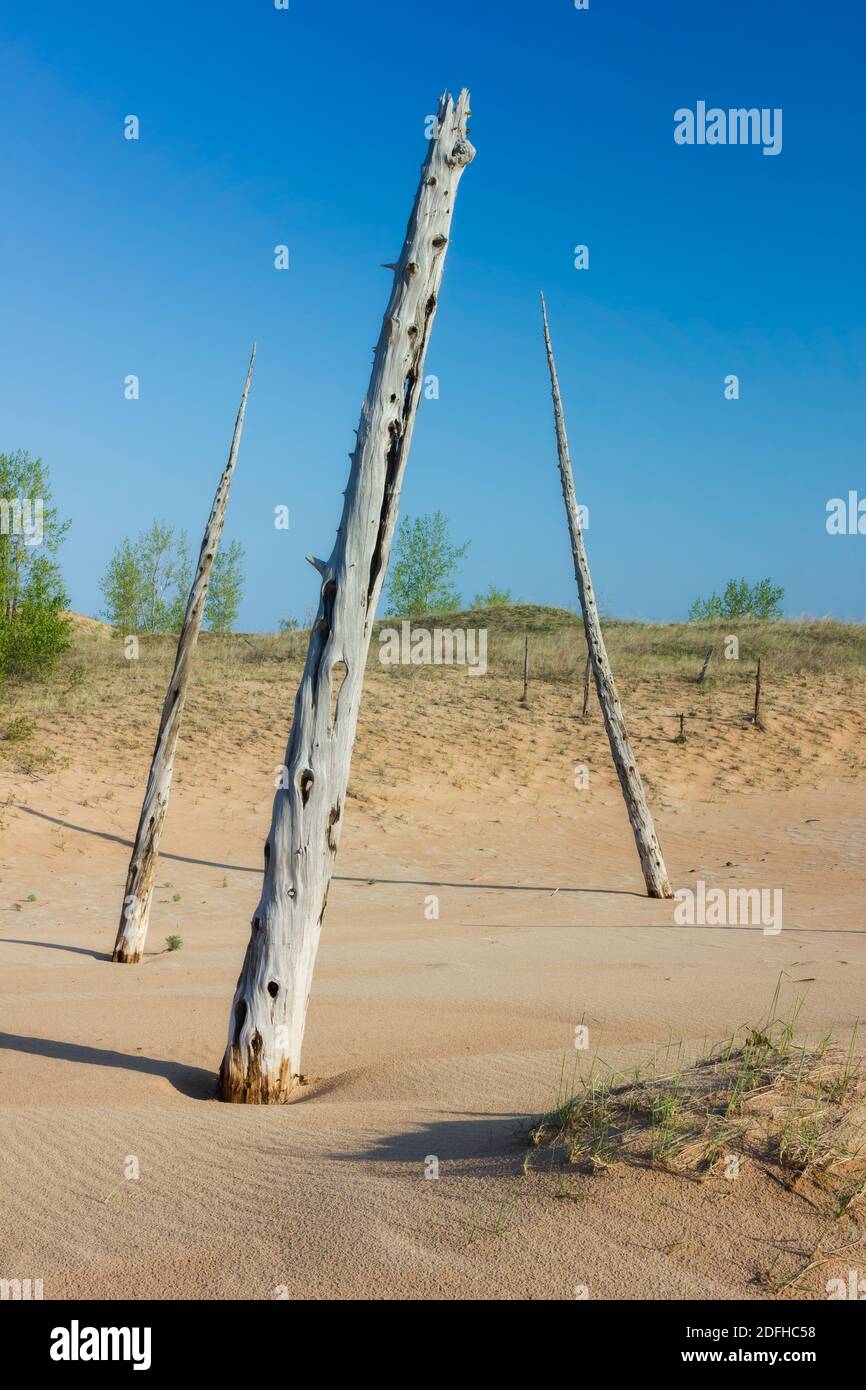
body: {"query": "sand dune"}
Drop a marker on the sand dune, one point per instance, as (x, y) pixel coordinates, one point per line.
(426, 1038)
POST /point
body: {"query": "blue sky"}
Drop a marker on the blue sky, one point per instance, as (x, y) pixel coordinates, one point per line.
(306, 127)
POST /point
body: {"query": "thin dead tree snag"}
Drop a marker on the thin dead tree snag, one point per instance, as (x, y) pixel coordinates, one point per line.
(261, 1064)
(586, 674)
(703, 671)
(525, 667)
(131, 933)
(649, 850)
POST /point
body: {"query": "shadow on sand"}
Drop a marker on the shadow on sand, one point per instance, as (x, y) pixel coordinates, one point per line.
(457, 1138)
(194, 1082)
(340, 878)
(55, 946)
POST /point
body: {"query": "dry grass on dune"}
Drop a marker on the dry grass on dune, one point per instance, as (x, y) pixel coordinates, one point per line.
(243, 688)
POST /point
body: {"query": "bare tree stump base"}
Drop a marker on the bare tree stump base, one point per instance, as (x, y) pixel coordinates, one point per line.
(255, 1086)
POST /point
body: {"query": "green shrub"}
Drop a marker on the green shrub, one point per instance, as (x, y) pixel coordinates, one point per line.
(32, 640)
(739, 600)
(494, 598)
(19, 729)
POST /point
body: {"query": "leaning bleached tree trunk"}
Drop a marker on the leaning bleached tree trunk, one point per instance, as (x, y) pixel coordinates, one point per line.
(131, 933)
(266, 1026)
(648, 847)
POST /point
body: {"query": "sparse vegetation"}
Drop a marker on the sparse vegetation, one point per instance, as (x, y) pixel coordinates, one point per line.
(813, 672)
(173, 943)
(762, 1097)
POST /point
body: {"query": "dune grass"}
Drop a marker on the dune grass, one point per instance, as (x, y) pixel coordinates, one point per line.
(673, 651)
(763, 1096)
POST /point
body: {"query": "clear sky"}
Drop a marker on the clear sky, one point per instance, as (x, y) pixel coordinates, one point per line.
(261, 126)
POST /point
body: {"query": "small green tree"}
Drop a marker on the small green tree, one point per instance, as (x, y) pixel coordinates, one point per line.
(121, 589)
(766, 600)
(225, 589)
(146, 582)
(164, 564)
(761, 601)
(181, 583)
(494, 598)
(34, 629)
(423, 567)
(30, 528)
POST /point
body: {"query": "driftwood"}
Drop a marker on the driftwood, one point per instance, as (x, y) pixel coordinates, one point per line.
(131, 933)
(649, 850)
(266, 1026)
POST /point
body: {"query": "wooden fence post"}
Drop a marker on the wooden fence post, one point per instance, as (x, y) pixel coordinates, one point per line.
(266, 1025)
(757, 711)
(132, 931)
(586, 671)
(649, 850)
(703, 670)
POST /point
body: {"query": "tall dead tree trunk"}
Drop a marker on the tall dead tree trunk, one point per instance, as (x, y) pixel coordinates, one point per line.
(131, 933)
(639, 815)
(266, 1025)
